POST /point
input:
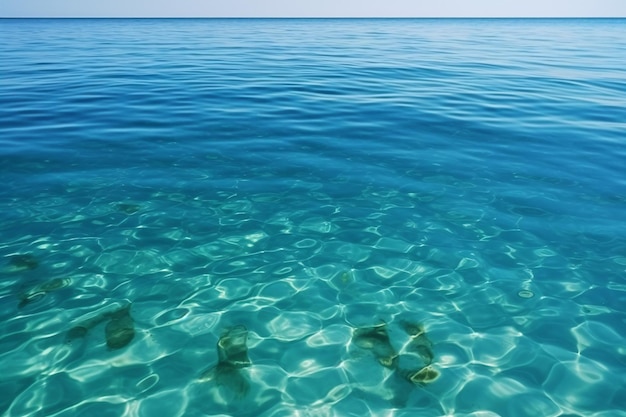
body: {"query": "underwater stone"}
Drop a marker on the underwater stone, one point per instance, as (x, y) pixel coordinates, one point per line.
(76, 333)
(419, 342)
(424, 376)
(30, 297)
(232, 347)
(81, 330)
(226, 375)
(412, 329)
(376, 340)
(121, 329)
(424, 348)
(411, 367)
(128, 208)
(232, 352)
(23, 261)
(119, 332)
(39, 291)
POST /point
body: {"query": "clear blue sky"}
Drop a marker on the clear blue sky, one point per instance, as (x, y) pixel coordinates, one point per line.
(312, 8)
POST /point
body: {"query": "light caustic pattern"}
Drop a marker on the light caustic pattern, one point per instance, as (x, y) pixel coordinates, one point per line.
(306, 303)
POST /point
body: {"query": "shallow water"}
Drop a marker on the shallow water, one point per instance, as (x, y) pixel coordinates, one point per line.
(305, 181)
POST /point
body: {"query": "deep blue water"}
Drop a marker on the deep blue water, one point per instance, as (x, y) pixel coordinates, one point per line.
(328, 186)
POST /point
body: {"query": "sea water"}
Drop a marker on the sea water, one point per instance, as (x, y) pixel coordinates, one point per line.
(313, 217)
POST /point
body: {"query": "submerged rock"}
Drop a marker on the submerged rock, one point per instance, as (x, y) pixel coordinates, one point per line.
(230, 377)
(30, 297)
(232, 353)
(76, 332)
(421, 377)
(84, 327)
(121, 329)
(39, 291)
(415, 365)
(376, 340)
(421, 345)
(419, 342)
(232, 347)
(23, 261)
(128, 208)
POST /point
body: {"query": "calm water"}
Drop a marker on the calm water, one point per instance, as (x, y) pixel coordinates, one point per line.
(313, 218)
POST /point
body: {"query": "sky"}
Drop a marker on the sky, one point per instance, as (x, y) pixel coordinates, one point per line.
(312, 8)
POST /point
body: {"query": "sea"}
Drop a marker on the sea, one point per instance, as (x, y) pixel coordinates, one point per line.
(313, 217)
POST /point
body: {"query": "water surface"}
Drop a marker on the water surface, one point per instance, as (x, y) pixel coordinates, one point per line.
(279, 217)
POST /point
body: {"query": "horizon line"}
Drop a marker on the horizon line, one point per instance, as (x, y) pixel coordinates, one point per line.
(312, 17)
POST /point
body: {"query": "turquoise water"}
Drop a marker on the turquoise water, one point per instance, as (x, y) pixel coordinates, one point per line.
(313, 218)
